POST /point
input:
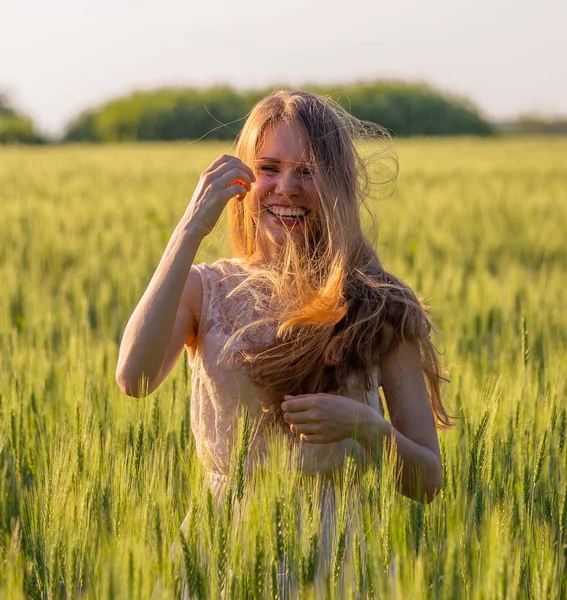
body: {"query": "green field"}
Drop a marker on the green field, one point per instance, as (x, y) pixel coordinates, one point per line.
(94, 484)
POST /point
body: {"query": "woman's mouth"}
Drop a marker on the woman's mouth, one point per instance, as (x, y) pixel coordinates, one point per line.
(287, 215)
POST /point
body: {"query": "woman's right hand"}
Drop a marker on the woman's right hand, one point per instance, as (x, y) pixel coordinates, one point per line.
(227, 177)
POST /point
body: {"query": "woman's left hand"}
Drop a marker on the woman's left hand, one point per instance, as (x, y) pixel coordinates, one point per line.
(325, 418)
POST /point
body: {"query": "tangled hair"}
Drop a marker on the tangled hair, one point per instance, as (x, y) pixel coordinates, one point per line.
(327, 299)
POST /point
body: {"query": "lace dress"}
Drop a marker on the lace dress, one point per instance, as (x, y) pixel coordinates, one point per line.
(217, 389)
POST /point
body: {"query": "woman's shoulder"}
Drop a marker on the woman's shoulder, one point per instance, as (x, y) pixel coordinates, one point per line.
(405, 313)
(220, 267)
(400, 312)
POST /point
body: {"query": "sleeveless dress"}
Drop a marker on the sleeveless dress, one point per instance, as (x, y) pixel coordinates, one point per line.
(218, 390)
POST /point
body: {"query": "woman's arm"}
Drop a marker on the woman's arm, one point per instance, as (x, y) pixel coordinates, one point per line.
(326, 418)
(412, 429)
(167, 316)
(421, 472)
(165, 319)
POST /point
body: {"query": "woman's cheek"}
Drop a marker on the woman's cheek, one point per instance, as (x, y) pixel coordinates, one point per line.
(311, 193)
(262, 183)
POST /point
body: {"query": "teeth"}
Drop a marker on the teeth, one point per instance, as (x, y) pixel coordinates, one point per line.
(281, 211)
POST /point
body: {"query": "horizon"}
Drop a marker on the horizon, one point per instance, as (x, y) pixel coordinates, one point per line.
(86, 54)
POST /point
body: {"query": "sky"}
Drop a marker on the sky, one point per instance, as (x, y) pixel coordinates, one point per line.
(60, 57)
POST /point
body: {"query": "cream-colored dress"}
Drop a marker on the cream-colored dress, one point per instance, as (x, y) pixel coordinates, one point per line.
(217, 389)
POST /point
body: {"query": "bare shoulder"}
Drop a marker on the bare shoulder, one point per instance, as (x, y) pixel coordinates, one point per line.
(401, 356)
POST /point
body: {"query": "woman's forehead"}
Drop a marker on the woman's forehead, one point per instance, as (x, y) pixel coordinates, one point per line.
(284, 141)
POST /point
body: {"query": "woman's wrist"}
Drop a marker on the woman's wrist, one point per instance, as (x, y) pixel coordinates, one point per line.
(189, 228)
(421, 472)
(371, 429)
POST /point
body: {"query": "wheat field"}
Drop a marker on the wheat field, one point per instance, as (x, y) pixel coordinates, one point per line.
(94, 485)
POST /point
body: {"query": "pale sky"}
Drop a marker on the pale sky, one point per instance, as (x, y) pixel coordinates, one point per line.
(58, 57)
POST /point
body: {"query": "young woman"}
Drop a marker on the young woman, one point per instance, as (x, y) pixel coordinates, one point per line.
(304, 324)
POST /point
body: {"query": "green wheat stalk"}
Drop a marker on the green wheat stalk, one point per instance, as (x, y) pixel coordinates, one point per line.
(258, 583)
(242, 455)
(525, 350)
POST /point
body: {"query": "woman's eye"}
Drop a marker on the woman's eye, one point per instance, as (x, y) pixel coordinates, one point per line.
(305, 170)
(269, 169)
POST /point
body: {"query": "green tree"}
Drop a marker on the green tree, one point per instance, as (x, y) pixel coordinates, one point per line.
(15, 127)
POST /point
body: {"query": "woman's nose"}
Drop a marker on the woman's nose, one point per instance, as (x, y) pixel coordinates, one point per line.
(287, 184)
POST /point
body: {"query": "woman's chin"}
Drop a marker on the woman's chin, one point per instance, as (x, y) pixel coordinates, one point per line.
(279, 238)
(276, 236)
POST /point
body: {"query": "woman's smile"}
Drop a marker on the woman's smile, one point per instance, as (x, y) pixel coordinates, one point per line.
(287, 215)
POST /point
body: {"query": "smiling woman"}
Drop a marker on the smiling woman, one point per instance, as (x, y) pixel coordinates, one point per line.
(304, 323)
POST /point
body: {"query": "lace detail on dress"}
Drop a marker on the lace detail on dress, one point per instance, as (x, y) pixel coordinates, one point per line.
(228, 309)
(219, 389)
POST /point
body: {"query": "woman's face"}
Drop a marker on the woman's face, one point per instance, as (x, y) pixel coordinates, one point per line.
(285, 197)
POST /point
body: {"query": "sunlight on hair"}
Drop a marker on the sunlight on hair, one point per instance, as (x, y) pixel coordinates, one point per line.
(327, 294)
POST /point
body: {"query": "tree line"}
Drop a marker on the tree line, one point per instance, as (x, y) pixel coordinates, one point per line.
(218, 113)
(405, 109)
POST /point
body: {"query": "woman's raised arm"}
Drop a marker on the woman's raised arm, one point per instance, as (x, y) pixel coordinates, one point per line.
(167, 316)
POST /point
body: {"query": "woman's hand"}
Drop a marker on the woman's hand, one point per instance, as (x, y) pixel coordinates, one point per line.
(227, 177)
(326, 418)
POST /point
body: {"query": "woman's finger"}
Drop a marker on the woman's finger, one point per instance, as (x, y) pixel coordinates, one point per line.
(234, 163)
(307, 416)
(234, 190)
(312, 438)
(222, 159)
(234, 176)
(242, 183)
(306, 428)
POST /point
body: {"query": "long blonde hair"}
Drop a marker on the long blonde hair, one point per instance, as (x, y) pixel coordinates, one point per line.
(327, 297)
